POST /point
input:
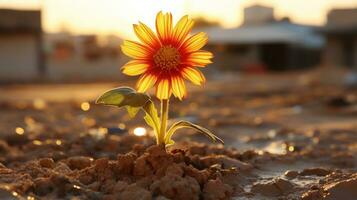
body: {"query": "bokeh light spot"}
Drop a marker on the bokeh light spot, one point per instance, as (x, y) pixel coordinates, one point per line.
(85, 106)
(19, 130)
(139, 131)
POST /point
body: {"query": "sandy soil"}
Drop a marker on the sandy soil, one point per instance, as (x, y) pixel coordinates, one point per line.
(290, 136)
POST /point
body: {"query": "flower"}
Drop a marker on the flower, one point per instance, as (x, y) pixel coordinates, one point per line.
(165, 59)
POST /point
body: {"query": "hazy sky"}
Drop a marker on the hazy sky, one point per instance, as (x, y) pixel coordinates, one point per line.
(117, 16)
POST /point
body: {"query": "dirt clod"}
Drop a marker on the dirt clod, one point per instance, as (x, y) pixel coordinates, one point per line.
(315, 172)
(176, 187)
(47, 162)
(275, 187)
(216, 189)
(290, 174)
(79, 162)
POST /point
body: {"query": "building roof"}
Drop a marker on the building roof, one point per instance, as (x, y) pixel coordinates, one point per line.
(339, 30)
(276, 32)
(20, 21)
(341, 22)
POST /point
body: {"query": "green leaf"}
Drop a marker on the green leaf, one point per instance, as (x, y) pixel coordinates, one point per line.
(170, 143)
(123, 96)
(186, 124)
(151, 117)
(149, 121)
(132, 111)
(133, 101)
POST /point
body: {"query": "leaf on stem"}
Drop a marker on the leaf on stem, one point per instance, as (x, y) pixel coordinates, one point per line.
(186, 124)
(123, 96)
(133, 101)
(132, 111)
(151, 117)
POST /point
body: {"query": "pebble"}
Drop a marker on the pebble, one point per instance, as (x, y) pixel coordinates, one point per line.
(346, 190)
(120, 186)
(43, 186)
(315, 171)
(226, 161)
(126, 162)
(141, 167)
(174, 169)
(133, 192)
(177, 187)
(79, 162)
(312, 195)
(216, 190)
(291, 174)
(274, 187)
(47, 163)
(101, 164)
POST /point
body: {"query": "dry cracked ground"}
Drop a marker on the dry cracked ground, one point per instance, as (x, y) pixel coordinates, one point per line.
(287, 136)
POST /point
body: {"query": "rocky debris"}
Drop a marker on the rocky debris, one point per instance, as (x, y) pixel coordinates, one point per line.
(4, 147)
(174, 169)
(201, 176)
(314, 194)
(141, 167)
(174, 174)
(133, 192)
(216, 190)
(62, 168)
(47, 163)
(274, 187)
(43, 186)
(291, 174)
(126, 162)
(226, 162)
(315, 172)
(35, 163)
(79, 162)
(344, 189)
(140, 174)
(338, 102)
(176, 187)
(336, 185)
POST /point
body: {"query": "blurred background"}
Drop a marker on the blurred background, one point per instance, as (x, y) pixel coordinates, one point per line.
(66, 41)
(282, 90)
(278, 65)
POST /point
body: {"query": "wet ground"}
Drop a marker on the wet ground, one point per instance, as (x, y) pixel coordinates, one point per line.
(287, 136)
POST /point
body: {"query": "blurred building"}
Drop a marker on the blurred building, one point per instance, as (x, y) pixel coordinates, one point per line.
(258, 15)
(26, 54)
(82, 57)
(263, 42)
(341, 38)
(20, 45)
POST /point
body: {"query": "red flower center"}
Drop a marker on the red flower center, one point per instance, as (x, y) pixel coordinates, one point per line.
(167, 58)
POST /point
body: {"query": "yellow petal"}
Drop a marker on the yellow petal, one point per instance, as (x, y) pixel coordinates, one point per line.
(146, 35)
(135, 67)
(164, 26)
(195, 42)
(178, 87)
(145, 82)
(195, 76)
(199, 58)
(182, 28)
(135, 50)
(163, 90)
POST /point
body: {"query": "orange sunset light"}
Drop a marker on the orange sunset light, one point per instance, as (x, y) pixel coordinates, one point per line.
(117, 16)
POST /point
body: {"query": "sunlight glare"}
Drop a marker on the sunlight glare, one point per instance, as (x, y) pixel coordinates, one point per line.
(19, 130)
(85, 106)
(140, 131)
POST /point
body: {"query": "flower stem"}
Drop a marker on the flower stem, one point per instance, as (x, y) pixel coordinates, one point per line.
(164, 117)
